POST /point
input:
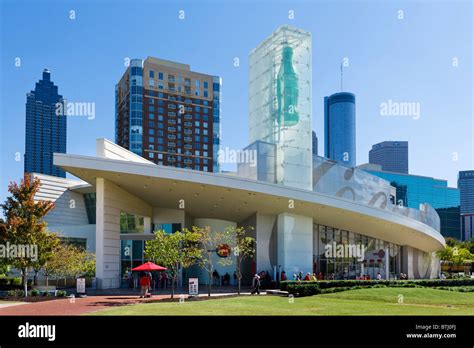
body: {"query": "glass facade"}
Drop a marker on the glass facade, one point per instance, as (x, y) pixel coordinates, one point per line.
(136, 106)
(413, 190)
(332, 178)
(339, 128)
(280, 102)
(345, 265)
(45, 130)
(466, 188)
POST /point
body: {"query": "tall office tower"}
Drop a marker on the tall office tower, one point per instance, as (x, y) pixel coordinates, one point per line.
(280, 102)
(466, 187)
(391, 155)
(339, 128)
(315, 143)
(45, 130)
(169, 114)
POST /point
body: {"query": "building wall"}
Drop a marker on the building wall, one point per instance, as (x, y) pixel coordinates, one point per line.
(169, 114)
(295, 243)
(435, 192)
(391, 155)
(111, 200)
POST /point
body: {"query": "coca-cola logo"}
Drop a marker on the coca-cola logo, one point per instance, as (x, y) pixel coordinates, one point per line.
(223, 250)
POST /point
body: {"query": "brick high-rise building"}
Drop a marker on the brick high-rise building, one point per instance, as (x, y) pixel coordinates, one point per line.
(169, 114)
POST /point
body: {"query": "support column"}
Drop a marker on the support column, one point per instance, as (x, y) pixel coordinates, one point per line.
(295, 243)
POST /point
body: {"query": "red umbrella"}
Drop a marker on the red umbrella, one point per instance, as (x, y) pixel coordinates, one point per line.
(149, 266)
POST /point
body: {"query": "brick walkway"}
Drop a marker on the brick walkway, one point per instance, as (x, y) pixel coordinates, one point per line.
(78, 306)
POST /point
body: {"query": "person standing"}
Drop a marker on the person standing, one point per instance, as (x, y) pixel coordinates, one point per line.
(144, 284)
(256, 284)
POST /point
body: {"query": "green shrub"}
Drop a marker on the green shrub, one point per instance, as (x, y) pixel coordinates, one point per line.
(61, 293)
(15, 293)
(35, 292)
(45, 294)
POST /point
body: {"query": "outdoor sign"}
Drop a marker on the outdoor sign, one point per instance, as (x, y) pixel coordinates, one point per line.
(81, 285)
(193, 286)
(223, 250)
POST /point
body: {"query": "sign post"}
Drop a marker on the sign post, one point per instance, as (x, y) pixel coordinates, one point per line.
(193, 286)
(81, 286)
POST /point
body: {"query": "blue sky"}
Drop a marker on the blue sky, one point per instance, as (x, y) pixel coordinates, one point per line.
(405, 60)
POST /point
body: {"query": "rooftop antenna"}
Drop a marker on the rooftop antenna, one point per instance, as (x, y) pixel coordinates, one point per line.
(341, 76)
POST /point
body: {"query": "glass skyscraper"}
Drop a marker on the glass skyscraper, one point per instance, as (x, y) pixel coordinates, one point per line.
(280, 102)
(466, 187)
(413, 190)
(315, 143)
(391, 155)
(339, 128)
(45, 131)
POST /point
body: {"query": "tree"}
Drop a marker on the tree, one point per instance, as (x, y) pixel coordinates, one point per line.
(47, 243)
(174, 251)
(455, 255)
(209, 242)
(69, 261)
(243, 247)
(23, 225)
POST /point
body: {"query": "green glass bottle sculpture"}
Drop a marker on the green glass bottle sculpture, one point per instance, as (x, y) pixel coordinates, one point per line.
(287, 90)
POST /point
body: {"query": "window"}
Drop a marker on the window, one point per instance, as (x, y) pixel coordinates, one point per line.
(151, 155)
(151, 147)
(160, 86)
(130, 223)
(206, 95)
(204, 168)
(204, 146)
(197, 123)
(204, 132)
(197, 108)
(152, 75)
(151, 109)
(196, 153)
(204, 124)
(205, 110)
(160, 76)
(204, 153)
(151, 116)
(160, 140)
(151, 100)
(197, 131)
(196, 84)
(151, 82)
(160, 117)
(160, 156)
(197, 138)
(151, 132)
(151, 139)
(206, 84)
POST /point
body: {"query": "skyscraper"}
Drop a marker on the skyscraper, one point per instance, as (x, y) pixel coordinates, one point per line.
(45, 130)
(280, 102)
(169, 114)
(391, 155)
(339, 128)
(315, 143)
(466, 187)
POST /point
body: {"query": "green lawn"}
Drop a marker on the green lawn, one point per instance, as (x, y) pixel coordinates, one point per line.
(374, 301)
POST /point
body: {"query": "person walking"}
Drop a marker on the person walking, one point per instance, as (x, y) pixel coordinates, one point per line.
(256, 284)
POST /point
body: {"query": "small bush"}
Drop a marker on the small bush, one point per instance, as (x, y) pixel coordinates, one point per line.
(35, 292)
(45, 294)
(61, 293)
